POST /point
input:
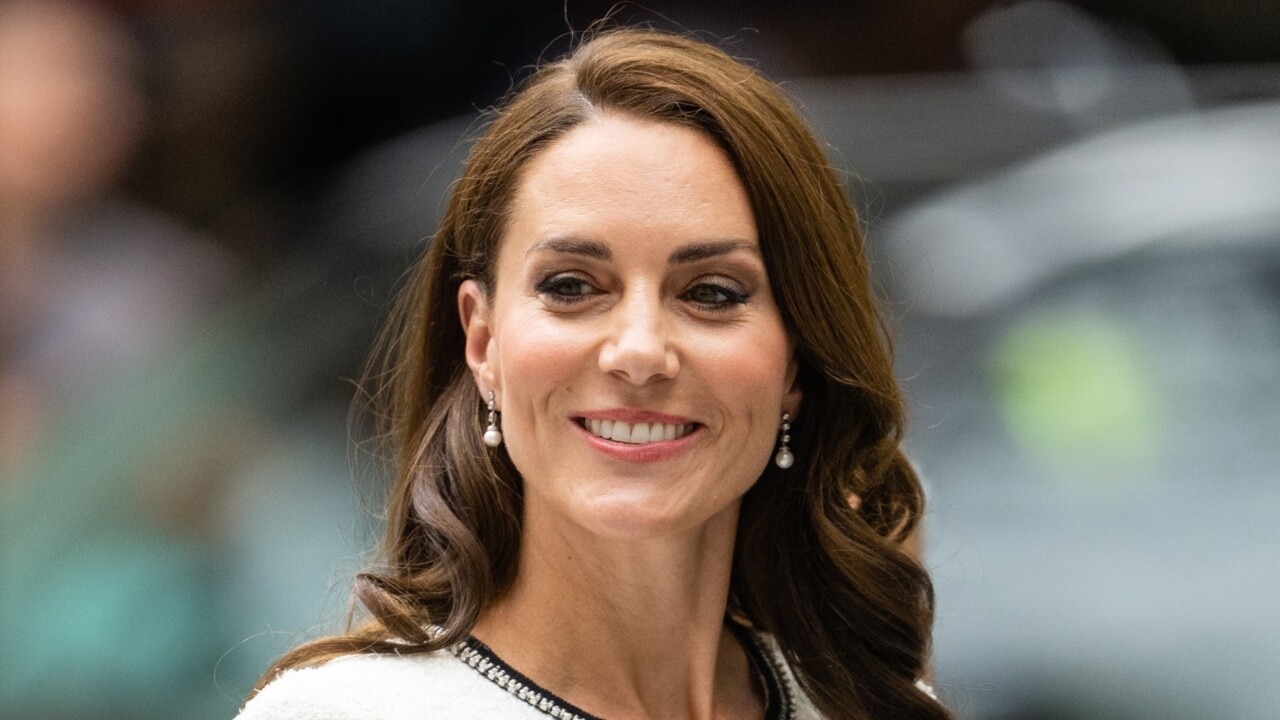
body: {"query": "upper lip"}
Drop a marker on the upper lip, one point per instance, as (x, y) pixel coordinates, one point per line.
(633, 415)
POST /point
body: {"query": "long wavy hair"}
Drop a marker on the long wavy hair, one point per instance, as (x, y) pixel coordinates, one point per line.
(819, 561)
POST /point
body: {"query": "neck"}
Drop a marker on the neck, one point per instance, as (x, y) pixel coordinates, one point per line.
(626, 628)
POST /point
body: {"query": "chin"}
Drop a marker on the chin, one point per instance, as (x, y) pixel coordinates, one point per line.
(643, 515)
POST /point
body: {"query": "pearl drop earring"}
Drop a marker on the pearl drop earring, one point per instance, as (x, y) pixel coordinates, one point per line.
(784, 459)
(492, 435)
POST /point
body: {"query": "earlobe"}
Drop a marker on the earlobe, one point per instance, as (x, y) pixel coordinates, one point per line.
(475, 313)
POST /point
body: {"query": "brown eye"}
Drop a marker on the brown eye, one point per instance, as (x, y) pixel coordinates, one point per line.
(566, 288)
(714, 296)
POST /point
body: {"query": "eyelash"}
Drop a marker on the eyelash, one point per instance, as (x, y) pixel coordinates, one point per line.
(731, 297)
(556, 288)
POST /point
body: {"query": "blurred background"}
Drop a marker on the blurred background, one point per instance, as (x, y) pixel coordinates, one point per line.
(1073, 207)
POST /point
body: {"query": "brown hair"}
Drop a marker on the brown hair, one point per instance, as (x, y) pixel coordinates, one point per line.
(828, 578)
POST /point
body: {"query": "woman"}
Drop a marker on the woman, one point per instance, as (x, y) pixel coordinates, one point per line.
(646, 427)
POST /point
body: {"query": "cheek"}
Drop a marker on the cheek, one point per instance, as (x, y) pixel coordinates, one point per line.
(539, 362)
(757, 353)
(756, 357)
(748, 373)
(537, 353)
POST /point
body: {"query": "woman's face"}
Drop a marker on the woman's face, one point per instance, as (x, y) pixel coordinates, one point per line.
(639, 359)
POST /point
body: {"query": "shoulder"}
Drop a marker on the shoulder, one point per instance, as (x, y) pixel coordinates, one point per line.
(377, 687)
(352, 688)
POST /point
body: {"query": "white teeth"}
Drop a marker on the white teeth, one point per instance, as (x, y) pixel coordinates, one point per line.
(640, 433)
(637, 433)
(621, 432)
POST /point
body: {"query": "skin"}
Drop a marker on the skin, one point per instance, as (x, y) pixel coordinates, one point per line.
(630, 280)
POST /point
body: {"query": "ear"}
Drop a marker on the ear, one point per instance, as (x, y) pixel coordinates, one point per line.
(791, 398)
(477, 316)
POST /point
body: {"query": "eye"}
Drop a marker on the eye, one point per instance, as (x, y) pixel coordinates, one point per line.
(566, 288)
(715, 296)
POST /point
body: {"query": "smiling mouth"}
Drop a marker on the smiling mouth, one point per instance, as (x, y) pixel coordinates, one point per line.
(635, 433)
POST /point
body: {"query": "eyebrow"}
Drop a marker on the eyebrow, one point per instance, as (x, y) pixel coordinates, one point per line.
(597, 250)
(573, 246)
(694, 252)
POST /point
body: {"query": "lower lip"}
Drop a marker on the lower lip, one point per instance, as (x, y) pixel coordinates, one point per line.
(648, 452)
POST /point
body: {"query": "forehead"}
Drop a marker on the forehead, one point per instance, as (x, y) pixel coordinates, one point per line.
(619, 178)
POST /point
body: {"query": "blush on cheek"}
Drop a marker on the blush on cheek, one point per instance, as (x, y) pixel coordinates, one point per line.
(538, 364)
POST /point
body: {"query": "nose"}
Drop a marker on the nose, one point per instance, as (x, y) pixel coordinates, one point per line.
(639, 348)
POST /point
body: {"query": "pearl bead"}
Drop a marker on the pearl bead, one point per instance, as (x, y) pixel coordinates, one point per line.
(492, 437)
(784, 459)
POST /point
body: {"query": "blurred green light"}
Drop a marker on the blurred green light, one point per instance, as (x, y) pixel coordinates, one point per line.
(1076, 392)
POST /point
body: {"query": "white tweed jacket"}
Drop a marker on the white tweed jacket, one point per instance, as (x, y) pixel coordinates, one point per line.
(465, 682)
